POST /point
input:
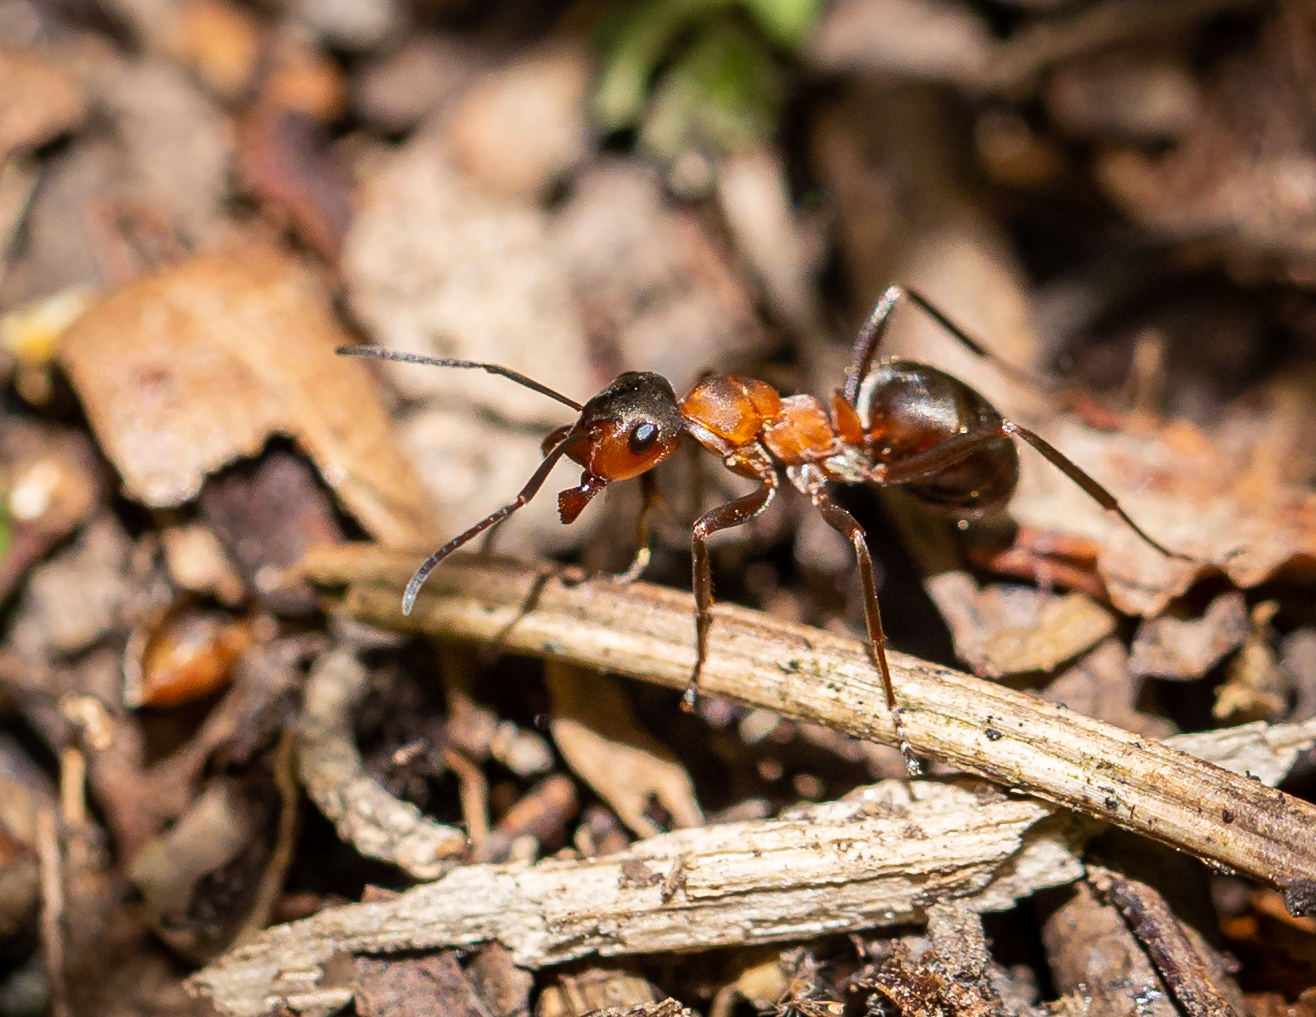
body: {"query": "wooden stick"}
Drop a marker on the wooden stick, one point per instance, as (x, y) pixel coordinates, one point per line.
(1010, 737)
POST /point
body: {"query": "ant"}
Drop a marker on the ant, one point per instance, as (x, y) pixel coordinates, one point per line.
(895, 422)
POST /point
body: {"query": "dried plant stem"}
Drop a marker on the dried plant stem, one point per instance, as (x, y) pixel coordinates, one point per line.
(1180, 963)
(1014, 739)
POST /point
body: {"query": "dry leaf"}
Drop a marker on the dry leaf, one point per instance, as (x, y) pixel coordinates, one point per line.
(1225, 509)
(187, 370)
(174, 145)
(918, 39)
(597, 734)
(1186, 648)
(415, 987)
(1257, 683)
(1002, 630)
(1100, 685)
(1241, 178)
(72, 600)
(220, 41)
(520, 128)
(652, 280)
(434, 265)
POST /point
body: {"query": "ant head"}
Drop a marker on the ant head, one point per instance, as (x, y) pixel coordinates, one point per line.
(625, 430)
(633, 425)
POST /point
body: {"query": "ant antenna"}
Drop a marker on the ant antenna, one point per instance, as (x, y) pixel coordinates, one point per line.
(418, 358)
(531, 488)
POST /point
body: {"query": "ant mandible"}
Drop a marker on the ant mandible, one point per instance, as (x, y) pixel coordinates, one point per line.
(895, 422)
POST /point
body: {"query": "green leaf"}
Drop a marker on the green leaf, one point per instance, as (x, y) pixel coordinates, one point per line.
(724, 92)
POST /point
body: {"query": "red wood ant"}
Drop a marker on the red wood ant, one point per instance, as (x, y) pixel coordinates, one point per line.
(895, 422)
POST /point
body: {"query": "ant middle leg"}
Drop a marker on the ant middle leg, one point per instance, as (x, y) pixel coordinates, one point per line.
(734, 513)
(652, 499)
(846, 525)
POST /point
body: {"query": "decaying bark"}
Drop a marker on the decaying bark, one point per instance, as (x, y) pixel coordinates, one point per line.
(1012, 738)
(1181, 964)
(877, 858)
(1094, 956)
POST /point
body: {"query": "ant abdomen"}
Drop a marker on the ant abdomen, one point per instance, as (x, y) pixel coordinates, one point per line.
(910, 411)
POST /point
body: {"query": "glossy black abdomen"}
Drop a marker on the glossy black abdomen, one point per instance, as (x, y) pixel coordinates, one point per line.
(909, 408)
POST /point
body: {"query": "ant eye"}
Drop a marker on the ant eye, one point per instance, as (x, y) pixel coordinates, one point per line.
(643, 436)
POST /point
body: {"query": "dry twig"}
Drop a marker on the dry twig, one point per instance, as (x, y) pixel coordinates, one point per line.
(1015, 739)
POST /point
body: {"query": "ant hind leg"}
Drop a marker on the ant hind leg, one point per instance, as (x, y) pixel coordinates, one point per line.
(870, 337)
(1094, 490)
(846, 525)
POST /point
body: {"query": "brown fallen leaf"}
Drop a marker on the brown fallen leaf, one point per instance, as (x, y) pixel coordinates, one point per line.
(73, 599)
(521, 127)
(1101, 685)
(1186, 648)
(598, 735)
(436, 265)
(1240, 178)
(265, 515)
(220, 41)
(286, 161)
(1224, 507)
(1002, 630)
(198, 365)
(1257, 683)
(415, 986)
(504, 987)
(652, 280)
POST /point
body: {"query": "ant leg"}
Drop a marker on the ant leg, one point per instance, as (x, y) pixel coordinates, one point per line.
(1094, 490)
(870, 336)
(930, 462)
(547, 445)
(652, 499)
(846, 525)
(734, 513)
(531, 488)
(927, 464)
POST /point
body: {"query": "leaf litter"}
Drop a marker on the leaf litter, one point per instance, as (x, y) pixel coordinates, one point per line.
(200, 202)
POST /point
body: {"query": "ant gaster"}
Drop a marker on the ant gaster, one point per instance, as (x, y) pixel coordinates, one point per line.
(895, 422)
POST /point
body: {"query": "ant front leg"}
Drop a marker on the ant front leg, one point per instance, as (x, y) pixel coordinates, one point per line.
(846, 525)
(652, 499)
(734, 513)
